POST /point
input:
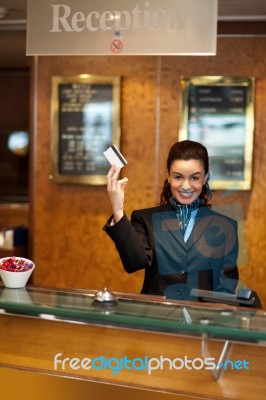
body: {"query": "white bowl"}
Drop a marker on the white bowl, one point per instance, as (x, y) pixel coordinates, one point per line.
(13, 279)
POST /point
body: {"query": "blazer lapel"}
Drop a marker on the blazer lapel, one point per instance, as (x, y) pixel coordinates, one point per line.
(166, 223)
(201, 224)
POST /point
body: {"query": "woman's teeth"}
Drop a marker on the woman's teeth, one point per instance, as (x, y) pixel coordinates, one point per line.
(187, 194)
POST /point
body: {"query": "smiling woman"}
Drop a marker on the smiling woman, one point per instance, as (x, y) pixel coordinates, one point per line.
(182, 244)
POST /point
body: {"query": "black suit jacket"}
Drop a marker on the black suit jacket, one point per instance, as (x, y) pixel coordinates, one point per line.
(152, 240)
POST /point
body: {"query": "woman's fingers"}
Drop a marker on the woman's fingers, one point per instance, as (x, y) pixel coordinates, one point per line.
(116, 186)
(112, 176)
(116, 192)
(123, 182)
(113, 171)
(113, 184)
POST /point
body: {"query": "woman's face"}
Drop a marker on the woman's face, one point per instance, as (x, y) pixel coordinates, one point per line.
(186, 179)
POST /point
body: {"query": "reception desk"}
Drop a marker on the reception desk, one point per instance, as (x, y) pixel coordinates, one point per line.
(200, 350)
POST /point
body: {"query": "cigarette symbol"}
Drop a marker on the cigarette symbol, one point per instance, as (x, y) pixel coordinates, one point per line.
(116, 46)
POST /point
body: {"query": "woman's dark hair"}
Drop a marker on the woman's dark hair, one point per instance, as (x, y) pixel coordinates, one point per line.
(187, 150)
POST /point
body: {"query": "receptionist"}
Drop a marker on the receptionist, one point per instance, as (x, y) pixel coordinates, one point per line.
(182, 244)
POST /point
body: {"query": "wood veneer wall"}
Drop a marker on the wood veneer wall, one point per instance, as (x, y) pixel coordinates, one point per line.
(70, 248)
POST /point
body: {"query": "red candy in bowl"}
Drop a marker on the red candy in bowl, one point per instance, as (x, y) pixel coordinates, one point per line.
(15, 271)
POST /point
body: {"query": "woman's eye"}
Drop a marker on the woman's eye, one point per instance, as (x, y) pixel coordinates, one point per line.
(195, 178)
(178, 177)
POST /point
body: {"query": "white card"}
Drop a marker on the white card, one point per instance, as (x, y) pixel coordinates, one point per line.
(114, 157)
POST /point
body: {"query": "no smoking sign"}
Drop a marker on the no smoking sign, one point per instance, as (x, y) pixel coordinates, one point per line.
(116, 46)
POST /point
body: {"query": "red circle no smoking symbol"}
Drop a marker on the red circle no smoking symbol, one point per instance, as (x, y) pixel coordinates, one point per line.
(116, 46)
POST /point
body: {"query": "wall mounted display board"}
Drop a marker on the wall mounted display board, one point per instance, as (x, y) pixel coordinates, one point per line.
(85, 113)
(219, 113)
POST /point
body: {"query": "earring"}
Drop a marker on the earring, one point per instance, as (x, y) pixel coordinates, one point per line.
(208, 191)
(207, 176)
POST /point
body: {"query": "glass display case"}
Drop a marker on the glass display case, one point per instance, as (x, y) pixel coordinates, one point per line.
(135, 340)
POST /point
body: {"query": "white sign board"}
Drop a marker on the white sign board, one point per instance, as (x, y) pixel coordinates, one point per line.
(119, 27)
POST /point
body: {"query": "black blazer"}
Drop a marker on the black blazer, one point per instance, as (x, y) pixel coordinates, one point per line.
(153, 241)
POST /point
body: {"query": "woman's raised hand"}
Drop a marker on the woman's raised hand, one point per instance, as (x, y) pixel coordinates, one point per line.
(116, 191)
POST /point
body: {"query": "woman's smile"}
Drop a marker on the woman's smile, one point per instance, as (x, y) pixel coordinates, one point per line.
(186, 194)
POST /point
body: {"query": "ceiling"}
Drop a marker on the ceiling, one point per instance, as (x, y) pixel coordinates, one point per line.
(13, 25)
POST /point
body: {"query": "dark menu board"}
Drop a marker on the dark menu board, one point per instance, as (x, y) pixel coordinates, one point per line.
(217, 119)
(85, 119)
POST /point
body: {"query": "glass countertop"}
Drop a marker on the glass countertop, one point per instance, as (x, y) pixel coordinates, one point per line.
(140, 312)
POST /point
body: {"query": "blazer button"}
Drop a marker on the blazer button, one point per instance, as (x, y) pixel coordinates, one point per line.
(179, 292)
(182, 273)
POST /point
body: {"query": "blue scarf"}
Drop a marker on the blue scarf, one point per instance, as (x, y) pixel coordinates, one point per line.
(184, 211)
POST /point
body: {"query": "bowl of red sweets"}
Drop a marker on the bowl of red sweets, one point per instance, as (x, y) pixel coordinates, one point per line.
(15, 271)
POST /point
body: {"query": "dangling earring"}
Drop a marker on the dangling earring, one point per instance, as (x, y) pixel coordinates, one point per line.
(207, 177)
(207, 187)
(208, 191)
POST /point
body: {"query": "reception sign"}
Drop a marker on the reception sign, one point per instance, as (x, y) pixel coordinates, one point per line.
(132, 27)
(219, 112)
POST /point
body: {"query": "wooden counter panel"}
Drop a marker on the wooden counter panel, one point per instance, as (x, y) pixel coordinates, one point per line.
(31, 344)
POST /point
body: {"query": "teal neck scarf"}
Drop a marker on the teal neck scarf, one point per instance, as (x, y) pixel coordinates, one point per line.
(184, 211)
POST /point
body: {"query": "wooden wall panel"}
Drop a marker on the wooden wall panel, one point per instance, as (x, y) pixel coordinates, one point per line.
(14, 85)
(70, 248)
(14, 214)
